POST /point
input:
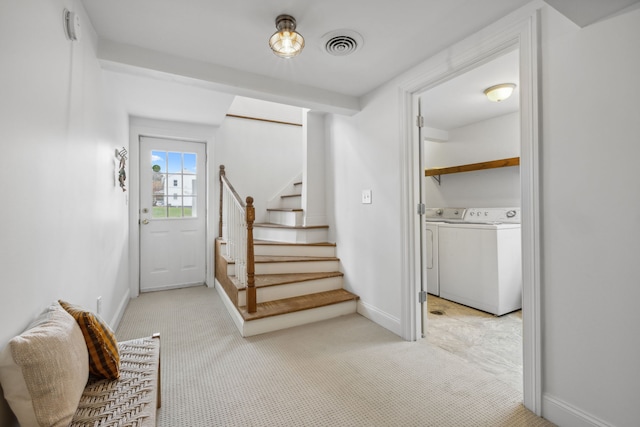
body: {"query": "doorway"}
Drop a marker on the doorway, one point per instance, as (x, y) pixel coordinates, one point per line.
(172, 192)
(460, 127)
(522, 34)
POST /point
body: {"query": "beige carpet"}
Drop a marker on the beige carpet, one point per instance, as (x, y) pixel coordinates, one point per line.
(342, 372)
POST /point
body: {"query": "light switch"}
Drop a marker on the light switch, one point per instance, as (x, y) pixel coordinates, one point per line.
(366, 196)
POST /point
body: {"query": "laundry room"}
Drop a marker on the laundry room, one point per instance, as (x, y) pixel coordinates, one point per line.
(472, 262)
(463, 127)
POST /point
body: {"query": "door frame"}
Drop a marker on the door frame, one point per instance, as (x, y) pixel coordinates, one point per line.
(169, 130)
(513, 32)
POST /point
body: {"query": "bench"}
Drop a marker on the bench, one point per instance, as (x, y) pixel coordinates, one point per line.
(132, 399)
(47, 379)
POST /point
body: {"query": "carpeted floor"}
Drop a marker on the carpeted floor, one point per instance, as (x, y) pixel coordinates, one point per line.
(342, 372)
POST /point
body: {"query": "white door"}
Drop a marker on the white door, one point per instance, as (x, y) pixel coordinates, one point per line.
(172, 213)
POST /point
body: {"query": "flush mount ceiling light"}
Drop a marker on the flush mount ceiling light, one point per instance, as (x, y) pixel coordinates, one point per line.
(286, 42)
(499, 92)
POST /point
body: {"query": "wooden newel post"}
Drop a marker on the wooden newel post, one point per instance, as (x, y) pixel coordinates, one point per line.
(222, 173)
(251, 267)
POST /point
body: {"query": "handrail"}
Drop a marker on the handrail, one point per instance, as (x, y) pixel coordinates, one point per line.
(236, 228)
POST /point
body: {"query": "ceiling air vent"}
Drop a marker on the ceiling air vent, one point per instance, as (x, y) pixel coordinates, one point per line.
(342, 42)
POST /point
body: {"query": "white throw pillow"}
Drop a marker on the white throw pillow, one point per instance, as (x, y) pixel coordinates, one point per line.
(45, 369)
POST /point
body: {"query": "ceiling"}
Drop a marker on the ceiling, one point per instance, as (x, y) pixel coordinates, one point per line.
(222, 46)
(461, 101)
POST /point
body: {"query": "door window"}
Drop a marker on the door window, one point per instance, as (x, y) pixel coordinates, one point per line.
(173, 184)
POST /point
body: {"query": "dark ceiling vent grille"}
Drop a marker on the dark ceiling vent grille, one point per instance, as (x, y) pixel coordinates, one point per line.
(342, 42)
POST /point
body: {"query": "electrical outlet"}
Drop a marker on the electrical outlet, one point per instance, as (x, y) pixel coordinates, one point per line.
(99, 305)
(366, 196)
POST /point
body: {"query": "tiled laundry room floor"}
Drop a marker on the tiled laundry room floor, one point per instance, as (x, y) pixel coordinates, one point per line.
(491, 342)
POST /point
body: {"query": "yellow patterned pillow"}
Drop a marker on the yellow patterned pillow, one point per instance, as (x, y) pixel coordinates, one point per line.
(104, 359)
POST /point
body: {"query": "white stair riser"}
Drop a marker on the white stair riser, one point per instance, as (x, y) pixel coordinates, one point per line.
(291, 235)
(290, 290)
(293, 250)
(298, 267)
(291, 267)
(276, 323)
(291, 203)
(286, 218)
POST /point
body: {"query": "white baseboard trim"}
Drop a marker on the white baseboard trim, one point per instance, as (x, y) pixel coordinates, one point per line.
(563, 414)
(380, 317)
(170, 287)
(231, 309)
(315, 219)
(117, 317)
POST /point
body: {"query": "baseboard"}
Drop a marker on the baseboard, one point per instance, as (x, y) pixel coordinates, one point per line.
(117, 317)
(170, 287)
(315, 220)
(563, 414)
(380, 317)
(231, 309)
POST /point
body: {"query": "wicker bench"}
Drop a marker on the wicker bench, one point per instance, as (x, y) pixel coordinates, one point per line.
(130, 400)
(47, 374)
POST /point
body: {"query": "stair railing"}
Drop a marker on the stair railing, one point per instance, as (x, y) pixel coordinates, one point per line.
(236, 228)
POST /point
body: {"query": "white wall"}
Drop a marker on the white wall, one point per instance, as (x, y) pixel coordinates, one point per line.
(260, 157)
(313, 170)
(65, 235)
(363, 153)
(589, 214)
(591, 219)
(493, 139)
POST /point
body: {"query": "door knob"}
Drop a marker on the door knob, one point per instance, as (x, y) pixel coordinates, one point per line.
(145, 221)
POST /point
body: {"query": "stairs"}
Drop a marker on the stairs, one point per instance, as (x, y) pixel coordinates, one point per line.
(297, 275)
(285, 222)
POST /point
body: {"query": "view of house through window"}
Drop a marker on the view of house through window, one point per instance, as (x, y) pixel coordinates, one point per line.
(173, 184)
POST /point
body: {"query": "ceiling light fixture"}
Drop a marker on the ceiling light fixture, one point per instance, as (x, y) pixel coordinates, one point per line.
(286, 42)
(499, 92)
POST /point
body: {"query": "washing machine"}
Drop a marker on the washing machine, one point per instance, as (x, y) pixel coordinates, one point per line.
(479, 258)
(434, 217)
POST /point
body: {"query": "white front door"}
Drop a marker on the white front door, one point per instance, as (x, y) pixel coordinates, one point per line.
(172, 213)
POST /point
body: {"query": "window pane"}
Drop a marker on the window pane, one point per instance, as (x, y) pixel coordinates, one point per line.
(189, 206)
(189, 163)
(159, 161)
(175, 184)
(159, 209)
(189, 185)
(175, 210)
(158, 182)
(175, 163)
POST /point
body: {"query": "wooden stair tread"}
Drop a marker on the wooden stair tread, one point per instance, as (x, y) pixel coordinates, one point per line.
(292, 227)
(265, 280)
(284, 210)
(290, 195)
(270, 242)
(291, 305)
